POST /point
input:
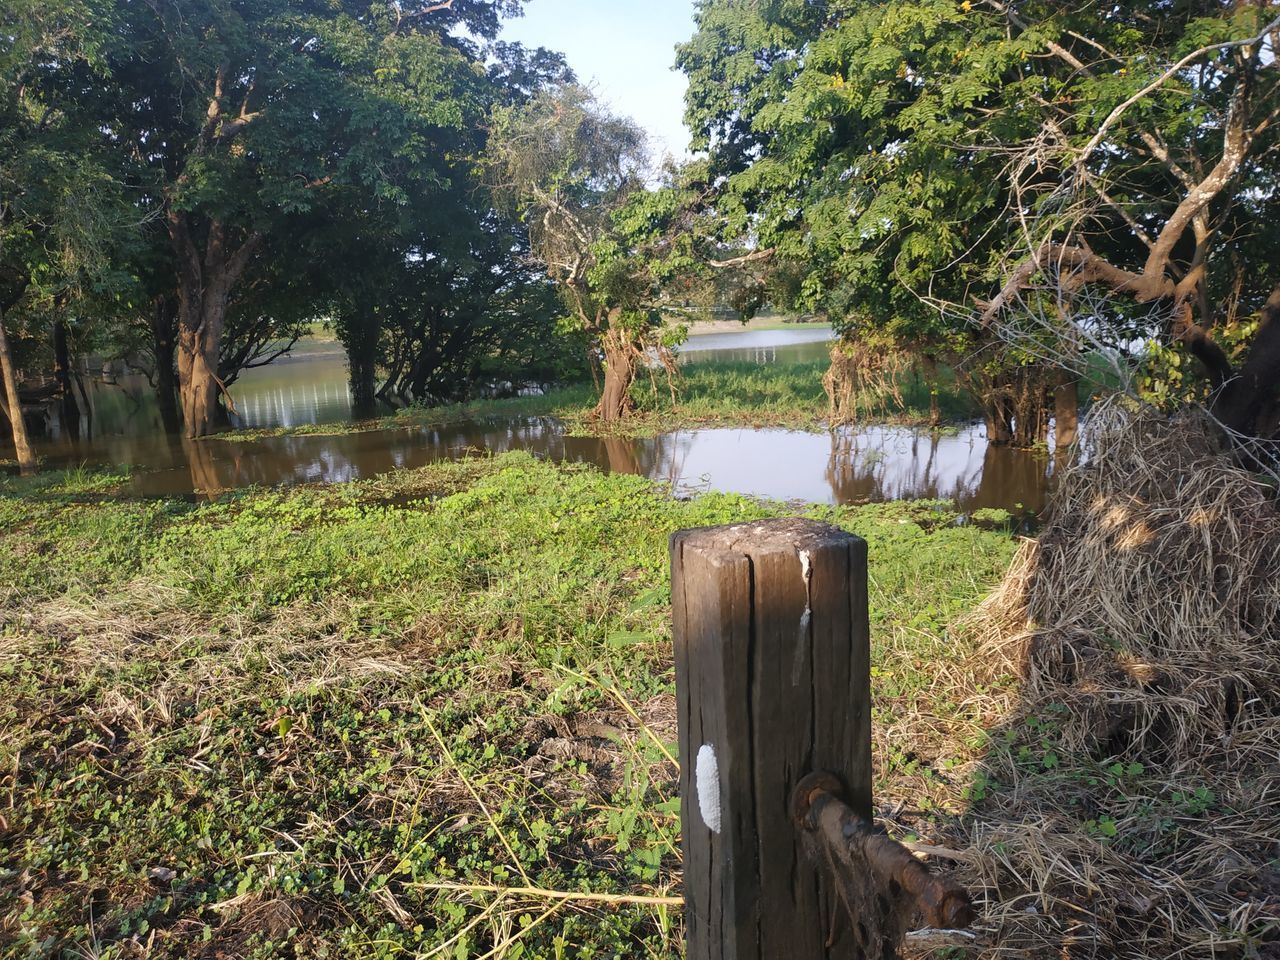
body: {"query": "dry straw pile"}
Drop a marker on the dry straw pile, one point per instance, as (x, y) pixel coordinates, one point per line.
(1134, 806)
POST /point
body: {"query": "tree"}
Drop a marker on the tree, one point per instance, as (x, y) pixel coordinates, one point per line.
(865, 204)
(473, 316)
(242, 118)
(908, 160)
(567, 167)
(58, 202)
(1162, 195)
(448, 316)
(436, 294)
(634, 261)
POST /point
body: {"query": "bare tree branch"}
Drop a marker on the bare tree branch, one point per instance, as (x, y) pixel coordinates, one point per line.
(752, 257)
(406, 20)
(1114, 117)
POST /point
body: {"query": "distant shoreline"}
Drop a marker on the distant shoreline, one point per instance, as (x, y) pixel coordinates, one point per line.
(759, 323)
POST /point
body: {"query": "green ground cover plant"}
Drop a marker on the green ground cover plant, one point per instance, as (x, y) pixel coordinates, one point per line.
(429, 714)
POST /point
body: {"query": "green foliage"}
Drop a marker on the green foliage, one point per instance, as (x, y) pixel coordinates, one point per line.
(902, 157)
(434, 295)
(60, 208)
(564, 165)
(455, 315)
(1168, 376)
(289, 158)
(810, 118)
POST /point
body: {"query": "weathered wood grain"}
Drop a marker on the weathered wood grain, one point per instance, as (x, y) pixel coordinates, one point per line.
(773, 676)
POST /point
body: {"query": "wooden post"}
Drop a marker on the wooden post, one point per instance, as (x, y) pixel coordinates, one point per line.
(773, 682)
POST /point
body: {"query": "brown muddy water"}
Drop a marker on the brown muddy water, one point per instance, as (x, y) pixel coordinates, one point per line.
(840, 466)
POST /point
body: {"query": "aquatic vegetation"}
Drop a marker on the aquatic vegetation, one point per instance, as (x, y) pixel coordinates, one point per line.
(710, 394)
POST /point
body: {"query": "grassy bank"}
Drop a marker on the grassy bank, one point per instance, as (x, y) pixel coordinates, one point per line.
(709, 394)
(771, 321)
(330, 721)
(781, 394)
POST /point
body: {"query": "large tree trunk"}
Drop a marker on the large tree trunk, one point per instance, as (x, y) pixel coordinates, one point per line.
(205, 282)
(1031, 408)
(1245, 404)
(997, 411)
(362, 366)
(620, 357)
(1016, 406)
(199, 339)
(62, 374)
(164, 342)
(26, 456)
(840, 383)
(864, 380)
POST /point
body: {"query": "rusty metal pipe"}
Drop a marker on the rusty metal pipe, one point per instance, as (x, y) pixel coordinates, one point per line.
(818, 806)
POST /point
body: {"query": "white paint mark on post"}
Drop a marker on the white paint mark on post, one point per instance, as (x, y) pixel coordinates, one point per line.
(806, 571)
(802, 641)
(707, 777)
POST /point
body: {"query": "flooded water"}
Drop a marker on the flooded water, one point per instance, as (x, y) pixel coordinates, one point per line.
(794, 345)
(840, 466)
(308, 386)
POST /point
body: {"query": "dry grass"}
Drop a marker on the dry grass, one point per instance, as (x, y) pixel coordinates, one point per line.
(1134, 803)
(864, 380)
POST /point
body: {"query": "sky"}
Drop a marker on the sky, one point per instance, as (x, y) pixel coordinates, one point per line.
(624, 51)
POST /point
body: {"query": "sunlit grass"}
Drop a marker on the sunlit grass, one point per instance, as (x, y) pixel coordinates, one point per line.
(80, 479)
(218, 721)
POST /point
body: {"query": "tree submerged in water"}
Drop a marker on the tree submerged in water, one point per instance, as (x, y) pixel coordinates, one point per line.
(567, 166)
(1018, 190)
(635, 253)
(254, 170)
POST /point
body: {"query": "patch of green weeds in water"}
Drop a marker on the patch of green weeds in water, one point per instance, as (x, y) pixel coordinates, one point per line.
(713, 393)
(72, 481)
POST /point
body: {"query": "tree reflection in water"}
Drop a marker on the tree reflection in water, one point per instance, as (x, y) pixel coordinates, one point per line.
(887, 463)
(843, 466)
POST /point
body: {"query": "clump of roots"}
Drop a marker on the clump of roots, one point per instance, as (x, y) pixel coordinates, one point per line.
(1131, 806)
(863, 381)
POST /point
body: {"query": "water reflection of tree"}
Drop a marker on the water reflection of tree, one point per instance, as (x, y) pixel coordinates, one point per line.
(660, 457)
(663, 457)
(203, 467)
(858, 468)
(1011, 477)
(621, 455)
(872, 465)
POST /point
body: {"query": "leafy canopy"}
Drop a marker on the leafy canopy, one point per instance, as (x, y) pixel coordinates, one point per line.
(900, 156)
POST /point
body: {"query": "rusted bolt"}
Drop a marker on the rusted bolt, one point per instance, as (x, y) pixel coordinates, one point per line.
(809, 791)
